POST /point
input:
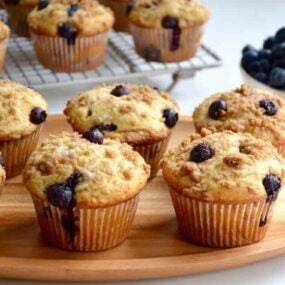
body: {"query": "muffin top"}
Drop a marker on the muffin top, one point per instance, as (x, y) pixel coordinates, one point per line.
(4, 30)
(2, 170)
(99, 174)
(70, 18)
(26, 3)
(244, 109)
(22, 110)
(162, 13)
(131, 113)
(224, 167)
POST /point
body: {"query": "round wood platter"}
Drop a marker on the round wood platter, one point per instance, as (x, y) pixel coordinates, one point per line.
(154, 248)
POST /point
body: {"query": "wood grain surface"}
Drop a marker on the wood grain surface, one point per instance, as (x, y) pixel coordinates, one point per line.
(154, 248)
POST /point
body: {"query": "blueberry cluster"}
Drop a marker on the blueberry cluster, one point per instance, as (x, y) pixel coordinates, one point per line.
(268, 64)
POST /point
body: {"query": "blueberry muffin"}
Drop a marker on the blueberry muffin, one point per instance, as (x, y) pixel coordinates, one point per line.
(85, 190)
(166, 30)
(22, 112)
(224, 187)
(18, 11)
(2, 172)
(70, 35)
(245, 109)
(138, 115)
(4, 36)
(119, 8)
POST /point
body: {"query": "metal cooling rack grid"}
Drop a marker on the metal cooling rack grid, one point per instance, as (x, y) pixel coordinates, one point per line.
(121, 63)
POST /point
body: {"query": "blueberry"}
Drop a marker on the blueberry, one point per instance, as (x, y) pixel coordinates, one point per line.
(171, 117)
(248, 57)
(72, 9)
(279, 62)
(264, 65)
(73, 180)
(175, 42)
(43, 4)
(152, 53)
(280, 35)
(269, 43)
(129, 8)
(38, 115)
(2, 160)
(264, 53)
(272, 185)
(200, 153)
(217, 108)
(94, 136)
(253, 67)
(120, 90)
(247, 48)
(169, 22)
(68, 32)
(59, 195)
(269, 107)
(277, 77)
(261, 77)
(278, 51)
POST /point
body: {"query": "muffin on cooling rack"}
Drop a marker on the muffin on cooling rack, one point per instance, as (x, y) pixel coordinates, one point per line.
(85, 190)
(119, 8)
(18, 11)
(2, 172)
(70, 35)
(23, 111)
(166, 30)
(4, 36)
(138, 115)
(224, 187)
(245, 109)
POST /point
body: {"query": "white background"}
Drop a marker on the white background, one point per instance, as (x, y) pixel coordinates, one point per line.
(233, 24)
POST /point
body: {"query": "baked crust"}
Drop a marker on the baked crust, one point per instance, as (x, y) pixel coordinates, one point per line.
(244, 114)
(91, 19)
(138, 115)
(16, 104)
(110, 173)
(4, 31)
(149, 13)
(234, 173)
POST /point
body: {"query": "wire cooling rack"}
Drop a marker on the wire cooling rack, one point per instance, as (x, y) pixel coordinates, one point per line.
(121, 63)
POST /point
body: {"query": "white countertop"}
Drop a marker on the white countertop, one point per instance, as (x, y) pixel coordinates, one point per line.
(233, 24)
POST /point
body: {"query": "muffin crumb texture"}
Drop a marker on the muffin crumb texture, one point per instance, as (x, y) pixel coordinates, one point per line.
(244, 109)
(107, 174)
(152, 13)
(83, 17)
(223, 167)
(17, 105)
(130, 113)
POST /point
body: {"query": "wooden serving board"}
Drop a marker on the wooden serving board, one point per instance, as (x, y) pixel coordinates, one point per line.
(154, 248)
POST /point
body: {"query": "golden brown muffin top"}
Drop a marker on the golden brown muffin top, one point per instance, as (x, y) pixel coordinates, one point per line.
(85, 17)
(22, 110)
(151, 13)
(109, 173)
(226, 167)
(4, 30)
(244, 109)
(138, 116)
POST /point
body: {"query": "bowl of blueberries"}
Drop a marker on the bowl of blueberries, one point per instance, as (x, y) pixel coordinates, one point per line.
(265, 67)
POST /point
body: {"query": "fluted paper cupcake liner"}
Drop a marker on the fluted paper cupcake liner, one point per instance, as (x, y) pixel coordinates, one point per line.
(56, 54)
(17, 151)
(152, 153)
(155, 44)
(3, 49)
(221, 224)
(119, 9)
(96, 228)
(18, 17)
